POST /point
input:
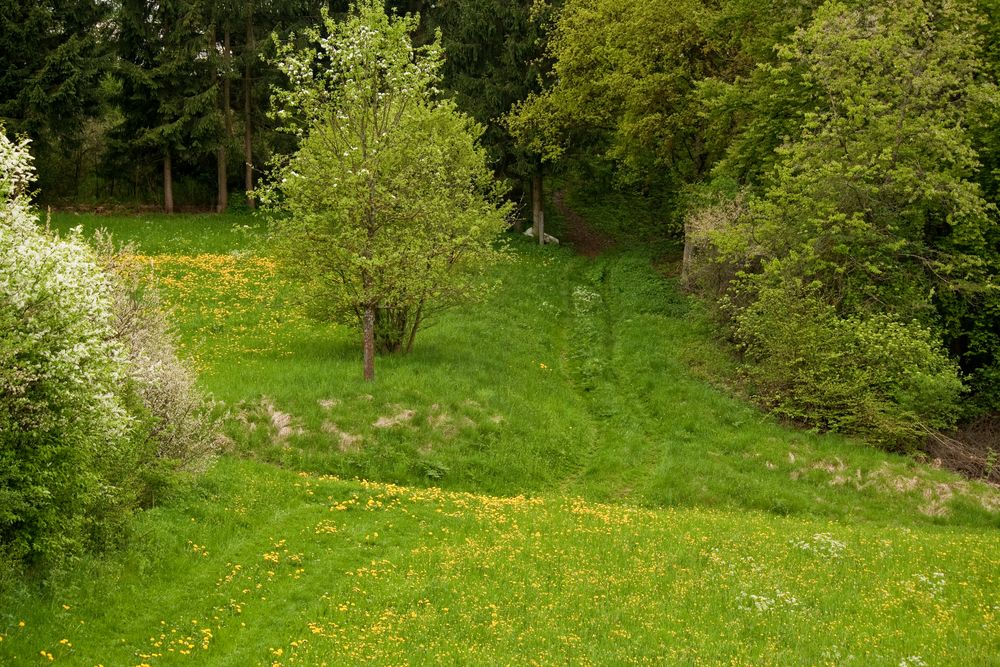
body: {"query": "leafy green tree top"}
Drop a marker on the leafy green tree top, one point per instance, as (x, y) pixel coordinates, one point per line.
(389, 209)
(871, 208)
(878, 188)
(495, 57)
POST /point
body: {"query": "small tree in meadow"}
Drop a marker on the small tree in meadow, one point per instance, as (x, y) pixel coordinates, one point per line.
(388, 210)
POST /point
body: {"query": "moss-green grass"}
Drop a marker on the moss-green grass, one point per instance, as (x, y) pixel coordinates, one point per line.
(573, 494)
(265, 566)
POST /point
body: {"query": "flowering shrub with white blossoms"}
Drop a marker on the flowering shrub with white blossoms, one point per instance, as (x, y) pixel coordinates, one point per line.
(66, 431)
(92, 397)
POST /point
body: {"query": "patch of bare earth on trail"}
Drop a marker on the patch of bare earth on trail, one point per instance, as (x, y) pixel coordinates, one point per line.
(443, 423)
(584, 239)
(935, 496)
(348, 443)
(266, 415)
(282, 424)
(402, 416)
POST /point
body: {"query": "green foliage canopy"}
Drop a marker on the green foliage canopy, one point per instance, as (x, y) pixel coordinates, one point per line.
(68, 451)
(871, 210)
(627, 82)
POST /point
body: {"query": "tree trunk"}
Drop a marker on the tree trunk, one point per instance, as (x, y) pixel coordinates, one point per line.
(413, 331)
(247, 111)
(168, 183)
(221, 178)
(76, 173)
(222, 157)
(686, 258)
(518, 195)
(369, 342)
(537, 213)
(227, 55)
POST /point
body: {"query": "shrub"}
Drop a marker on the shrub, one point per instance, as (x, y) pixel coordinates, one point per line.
(867, 221)
(92, 397)
(874, 376)
(67, 426)
(180, 423)
(713, 253)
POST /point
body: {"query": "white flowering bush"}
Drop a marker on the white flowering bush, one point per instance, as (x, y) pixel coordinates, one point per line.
(179, 420)
(92, 397)
(66, 430)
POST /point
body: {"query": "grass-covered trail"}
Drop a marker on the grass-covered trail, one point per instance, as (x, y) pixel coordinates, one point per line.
(546, 478)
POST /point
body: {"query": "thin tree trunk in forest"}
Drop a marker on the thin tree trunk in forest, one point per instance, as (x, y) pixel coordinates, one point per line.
(223, 192)
(416, 323)
(537, 213)
(76, 173)
(227, 54)
(369, 342)
(222, 157)
(686, 258)
(247, 111)
(168, 183)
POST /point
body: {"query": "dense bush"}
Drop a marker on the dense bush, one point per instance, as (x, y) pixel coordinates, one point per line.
(874, 376)
(181, 425)
(91, 395)
(865, 254)
(67, 434)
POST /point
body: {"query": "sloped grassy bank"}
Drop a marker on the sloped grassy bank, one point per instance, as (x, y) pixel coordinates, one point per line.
(265, 566)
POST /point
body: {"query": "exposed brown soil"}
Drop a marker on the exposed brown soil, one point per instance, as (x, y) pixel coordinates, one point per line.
(348, 442)
(583, 238)
(401, 417)
(974, 451)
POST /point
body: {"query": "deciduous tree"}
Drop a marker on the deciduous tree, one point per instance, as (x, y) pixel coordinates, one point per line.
(388, 209)
(872, 209)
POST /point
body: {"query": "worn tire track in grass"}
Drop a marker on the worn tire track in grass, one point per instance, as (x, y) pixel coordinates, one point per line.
(583, 237)
(587, 356)
(589, 342)
(590, 358)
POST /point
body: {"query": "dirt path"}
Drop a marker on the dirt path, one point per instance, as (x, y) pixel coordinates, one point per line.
(581, 236)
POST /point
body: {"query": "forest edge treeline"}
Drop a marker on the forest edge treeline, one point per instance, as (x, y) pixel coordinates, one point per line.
(737, 121)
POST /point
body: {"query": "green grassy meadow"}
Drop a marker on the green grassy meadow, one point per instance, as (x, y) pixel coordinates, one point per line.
(548, 478)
